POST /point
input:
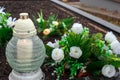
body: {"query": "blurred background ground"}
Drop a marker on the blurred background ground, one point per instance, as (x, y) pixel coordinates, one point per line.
(110, 16)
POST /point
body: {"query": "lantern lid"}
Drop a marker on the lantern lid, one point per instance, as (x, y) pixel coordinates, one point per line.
(24, 27)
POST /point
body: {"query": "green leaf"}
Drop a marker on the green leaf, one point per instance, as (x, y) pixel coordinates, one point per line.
(51, 18)
(114, 60)
(74, 67)
(48, 50)
(97, 36)
(5, 35)
(95, 66)
(41, 22)
(67, 22)
(115, 63)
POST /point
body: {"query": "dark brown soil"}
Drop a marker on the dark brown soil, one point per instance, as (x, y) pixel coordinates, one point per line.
(47, 7)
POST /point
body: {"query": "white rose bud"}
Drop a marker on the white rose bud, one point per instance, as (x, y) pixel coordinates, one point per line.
(108, 71)
(110, 52)
(38, 19)
(53, 45)
(115, 46)
(50, 44)
(110, 37)
(55, 23)
(77, 28)
(56, 44)
(57, 55)
(75, 52)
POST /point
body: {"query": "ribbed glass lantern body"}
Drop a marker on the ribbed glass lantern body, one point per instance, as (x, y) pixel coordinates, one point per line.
(25, 54)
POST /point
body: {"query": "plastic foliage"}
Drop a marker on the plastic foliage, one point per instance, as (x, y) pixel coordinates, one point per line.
(93, 56)
(5, 30)
(52, 25)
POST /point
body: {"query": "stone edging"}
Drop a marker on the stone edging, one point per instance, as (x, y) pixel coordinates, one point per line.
(89, 16)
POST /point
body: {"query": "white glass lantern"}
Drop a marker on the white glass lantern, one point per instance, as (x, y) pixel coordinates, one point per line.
(25, 52)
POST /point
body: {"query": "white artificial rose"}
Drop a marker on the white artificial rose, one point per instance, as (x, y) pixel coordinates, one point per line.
(75, 52)
(77, 28)
(115, 46)
(110, 37)
(108, 71)
(57, 54)
(55, 23)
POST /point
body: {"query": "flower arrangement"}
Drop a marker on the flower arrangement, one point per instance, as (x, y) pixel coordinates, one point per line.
(84, 54)
(53, 26)
(6, 24)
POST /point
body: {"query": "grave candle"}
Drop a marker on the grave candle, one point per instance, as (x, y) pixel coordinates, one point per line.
(25, 52)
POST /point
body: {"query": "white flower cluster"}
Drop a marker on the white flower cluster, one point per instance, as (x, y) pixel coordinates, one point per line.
(77, 28)
(57, 53)
(108, 71)
(10, 21)
(114, 43)
(76, 52)
(2, 10)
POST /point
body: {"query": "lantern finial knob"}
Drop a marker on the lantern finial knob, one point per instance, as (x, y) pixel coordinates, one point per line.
(23, 15)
